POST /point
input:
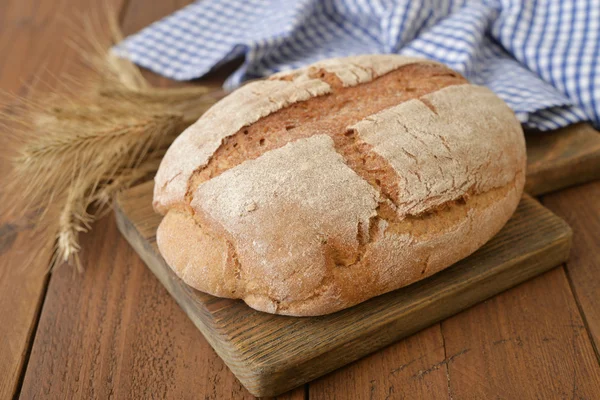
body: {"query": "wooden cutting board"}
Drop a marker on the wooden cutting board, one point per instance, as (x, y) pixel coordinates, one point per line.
(272, 354)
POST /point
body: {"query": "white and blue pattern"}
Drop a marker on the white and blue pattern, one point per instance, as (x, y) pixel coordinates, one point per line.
(540, 56)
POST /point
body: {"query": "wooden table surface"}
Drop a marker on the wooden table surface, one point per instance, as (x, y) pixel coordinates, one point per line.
(113, 331)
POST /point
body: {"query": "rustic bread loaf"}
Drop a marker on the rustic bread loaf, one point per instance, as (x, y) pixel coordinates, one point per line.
(320, 188)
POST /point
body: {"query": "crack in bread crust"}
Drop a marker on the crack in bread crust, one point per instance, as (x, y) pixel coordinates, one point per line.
(330, 114)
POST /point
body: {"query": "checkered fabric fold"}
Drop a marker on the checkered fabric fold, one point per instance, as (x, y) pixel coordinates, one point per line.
(541, 57)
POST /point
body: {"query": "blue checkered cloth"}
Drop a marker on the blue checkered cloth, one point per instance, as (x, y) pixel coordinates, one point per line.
(541, 57)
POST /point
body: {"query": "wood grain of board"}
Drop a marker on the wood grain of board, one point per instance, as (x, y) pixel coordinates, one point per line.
(534, 329)
(32, 49)
(271, 354)
(580, 207)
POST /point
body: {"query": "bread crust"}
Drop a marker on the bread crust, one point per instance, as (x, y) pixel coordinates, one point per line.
(301, 230)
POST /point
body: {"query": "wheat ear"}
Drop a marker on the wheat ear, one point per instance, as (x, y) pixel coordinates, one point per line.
(79, 144)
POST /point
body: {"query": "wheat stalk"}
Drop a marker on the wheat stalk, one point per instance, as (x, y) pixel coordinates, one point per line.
(79, 146)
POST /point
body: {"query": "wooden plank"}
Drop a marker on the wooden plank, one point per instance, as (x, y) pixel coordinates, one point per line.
(562, 158)
(31, 47)
(531, 341)
(580, 207)
(390, 373)
(528, 343)
(276, 353)
(22, 289)
(115, 332)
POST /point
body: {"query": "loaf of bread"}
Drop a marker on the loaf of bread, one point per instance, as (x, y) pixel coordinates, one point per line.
(320, 188)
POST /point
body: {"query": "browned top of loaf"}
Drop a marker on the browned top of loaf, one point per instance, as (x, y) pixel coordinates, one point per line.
(192, 150)
(356, 101)
(332, 114)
